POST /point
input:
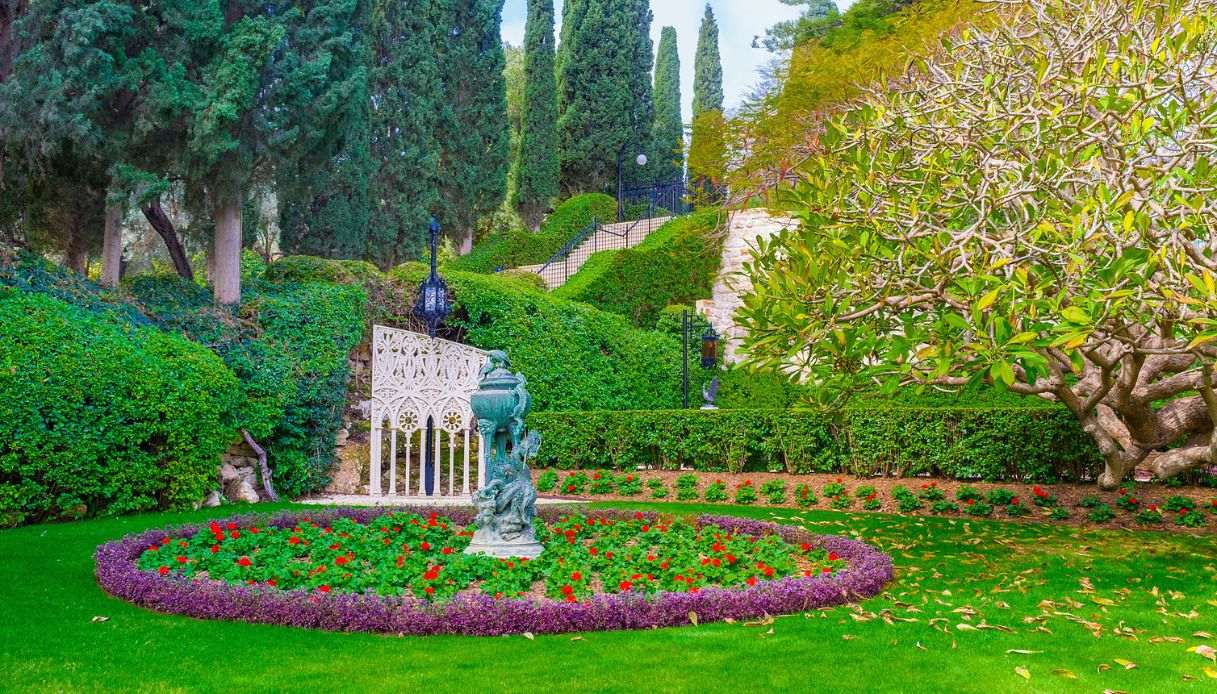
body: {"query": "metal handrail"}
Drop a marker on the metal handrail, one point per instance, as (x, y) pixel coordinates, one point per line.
(571, 245)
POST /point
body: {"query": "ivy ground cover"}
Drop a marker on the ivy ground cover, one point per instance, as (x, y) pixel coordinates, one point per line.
(402, 572)
(1149, 594)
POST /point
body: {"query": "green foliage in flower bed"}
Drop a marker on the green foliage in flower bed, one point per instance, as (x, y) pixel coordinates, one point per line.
(101, 413)
(403, 553)
(994, 444)
(686, 487)
(289, 349)
(715, 492)
(659, 490)
(745, 493)
(676, 264)
(518, 247)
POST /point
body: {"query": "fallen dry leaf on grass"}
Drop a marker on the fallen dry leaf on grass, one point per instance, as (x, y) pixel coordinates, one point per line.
(1022, 672)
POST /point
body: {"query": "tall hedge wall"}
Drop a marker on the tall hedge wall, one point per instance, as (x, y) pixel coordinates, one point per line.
(993, 444)
(100, 415)
(519, 247)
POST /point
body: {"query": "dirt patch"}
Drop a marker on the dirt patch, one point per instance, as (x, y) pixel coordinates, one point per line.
(1069, 496)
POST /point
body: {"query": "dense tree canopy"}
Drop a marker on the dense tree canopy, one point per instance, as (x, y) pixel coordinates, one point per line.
(707, 149)
(1034, 209)
(817, 16)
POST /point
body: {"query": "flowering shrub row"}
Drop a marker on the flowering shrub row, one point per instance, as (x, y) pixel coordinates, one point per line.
(603, 595)
(967, 500)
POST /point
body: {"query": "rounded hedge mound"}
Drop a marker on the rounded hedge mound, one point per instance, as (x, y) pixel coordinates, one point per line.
(101, 416)
(405, 572)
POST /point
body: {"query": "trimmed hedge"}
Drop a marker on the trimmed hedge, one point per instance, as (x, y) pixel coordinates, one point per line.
(101, 416)
(992, 444)
(676, 264)
(520, 247)
(575, 357)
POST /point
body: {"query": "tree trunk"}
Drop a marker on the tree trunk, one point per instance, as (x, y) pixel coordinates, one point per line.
(112, 247)
(227, 250)
(467, 243)
(77, 254)
(155, 214)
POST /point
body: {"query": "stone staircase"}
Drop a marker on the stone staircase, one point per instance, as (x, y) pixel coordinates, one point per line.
(605, 237)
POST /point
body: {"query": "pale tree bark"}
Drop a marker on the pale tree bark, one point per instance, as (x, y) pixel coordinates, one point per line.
(112, 247)
(226, 280)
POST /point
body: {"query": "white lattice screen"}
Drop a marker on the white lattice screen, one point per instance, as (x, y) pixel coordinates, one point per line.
(416, 377)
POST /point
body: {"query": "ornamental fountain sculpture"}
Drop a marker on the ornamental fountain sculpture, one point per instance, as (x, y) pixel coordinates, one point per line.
(507, 501)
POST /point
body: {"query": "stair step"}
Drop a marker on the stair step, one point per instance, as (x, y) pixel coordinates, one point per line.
(608, 237)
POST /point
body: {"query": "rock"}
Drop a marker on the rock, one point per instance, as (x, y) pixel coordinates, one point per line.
(241, 490)
(213, 500)
(228, 473)
(342, 438)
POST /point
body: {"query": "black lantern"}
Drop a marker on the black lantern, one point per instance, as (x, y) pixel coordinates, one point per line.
(432, 307)
(709, 348)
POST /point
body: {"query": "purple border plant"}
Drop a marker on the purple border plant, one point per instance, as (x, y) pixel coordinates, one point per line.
(480, 615)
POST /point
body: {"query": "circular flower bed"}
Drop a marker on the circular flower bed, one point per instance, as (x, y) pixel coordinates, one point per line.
(405, 572)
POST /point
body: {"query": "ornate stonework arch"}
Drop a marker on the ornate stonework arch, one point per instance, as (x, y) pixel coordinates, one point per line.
(416, 378)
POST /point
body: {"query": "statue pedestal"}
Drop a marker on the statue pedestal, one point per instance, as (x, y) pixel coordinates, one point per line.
(524, 546)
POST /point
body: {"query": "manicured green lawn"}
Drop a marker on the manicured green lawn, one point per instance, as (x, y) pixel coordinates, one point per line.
(1033, 580)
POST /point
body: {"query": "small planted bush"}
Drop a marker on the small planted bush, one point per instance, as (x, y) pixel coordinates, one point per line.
(1060, 513)
(1100, 513)
(574, 483)
(745, 493)
(774, 491)
(1091, 501)
(977, 508)
(1150, 515)
(1016, 509)
(1189, 518)
(1176, 504)
(686, 488)
(864, 491)
(906, 500)
(967, 494)
(602, 483)
(659, 490)
(942, 506)
(931, 493)
(630, 485)
(716, 492)
(833, 490)
(1001, 497)
(547, 481)
(1043, 498)
(804, 495)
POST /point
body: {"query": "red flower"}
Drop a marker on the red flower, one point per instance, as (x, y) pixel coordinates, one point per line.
(446, 550)
(215, 549)
(592, 551)
(751, 580)
(638, 515)
(230, 526)
(163, 570)
(1015, 501)
(805, 547)
(570, 488)
(425, 546)
(576, 576)
(164, 540)
(340, 561)
(871, 497)
(832, 556)
(272, 582)
(730, 558)
(629, 478)
(324, 589)
(182, 560)
(401, 560)
(235, 534)
(432, 573)
(768, 571)
(571, 598)
(244, 561)
(568, 589)
(625, 586)
(293, 540)
(429, 590)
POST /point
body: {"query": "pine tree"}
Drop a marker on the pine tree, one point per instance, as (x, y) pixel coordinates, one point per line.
(472, 130)
(405, 90)
(707, 68)
(537, 167)
(669, 127)
(606, 97)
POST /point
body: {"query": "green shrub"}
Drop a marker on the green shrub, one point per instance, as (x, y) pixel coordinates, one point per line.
(906, 500)
(943, 506)
(977, 508)
(1017, 510)
(101, 416)
(864, 491)
(573, 483)
(966, 494)
(520, 247)
(931, 492)
(1149, 516)
(745, 493)
(547, 481)
(774, 491)
(1190, 519)
(806, 441)
(841, 502)
(1176, 504)
(686, 487)
(603, 483)
(1101, 513)
(1001, 497)
(676, 264)
(1060, 513)
(804, 496)
(659, 490)
(574, 356)
(716, 491)
(629, 485)
(1090, 501)
(833, 490)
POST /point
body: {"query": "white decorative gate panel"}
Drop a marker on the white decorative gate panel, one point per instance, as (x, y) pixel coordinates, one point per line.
(416, 378)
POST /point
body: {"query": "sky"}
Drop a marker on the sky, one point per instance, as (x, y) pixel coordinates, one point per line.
(738, 22)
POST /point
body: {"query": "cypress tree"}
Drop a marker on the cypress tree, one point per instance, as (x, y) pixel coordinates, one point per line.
(669, 127)
(473, 130)
(573, 12)
(707, 68)
(707, 150)
(405, 91)
(537, 168)
(606, 93)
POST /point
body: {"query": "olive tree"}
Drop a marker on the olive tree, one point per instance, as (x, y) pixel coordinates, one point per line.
(1034, 207)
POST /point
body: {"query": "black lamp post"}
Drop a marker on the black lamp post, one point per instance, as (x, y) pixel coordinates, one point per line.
(432, 308)
(641, 160)
(709, 348)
